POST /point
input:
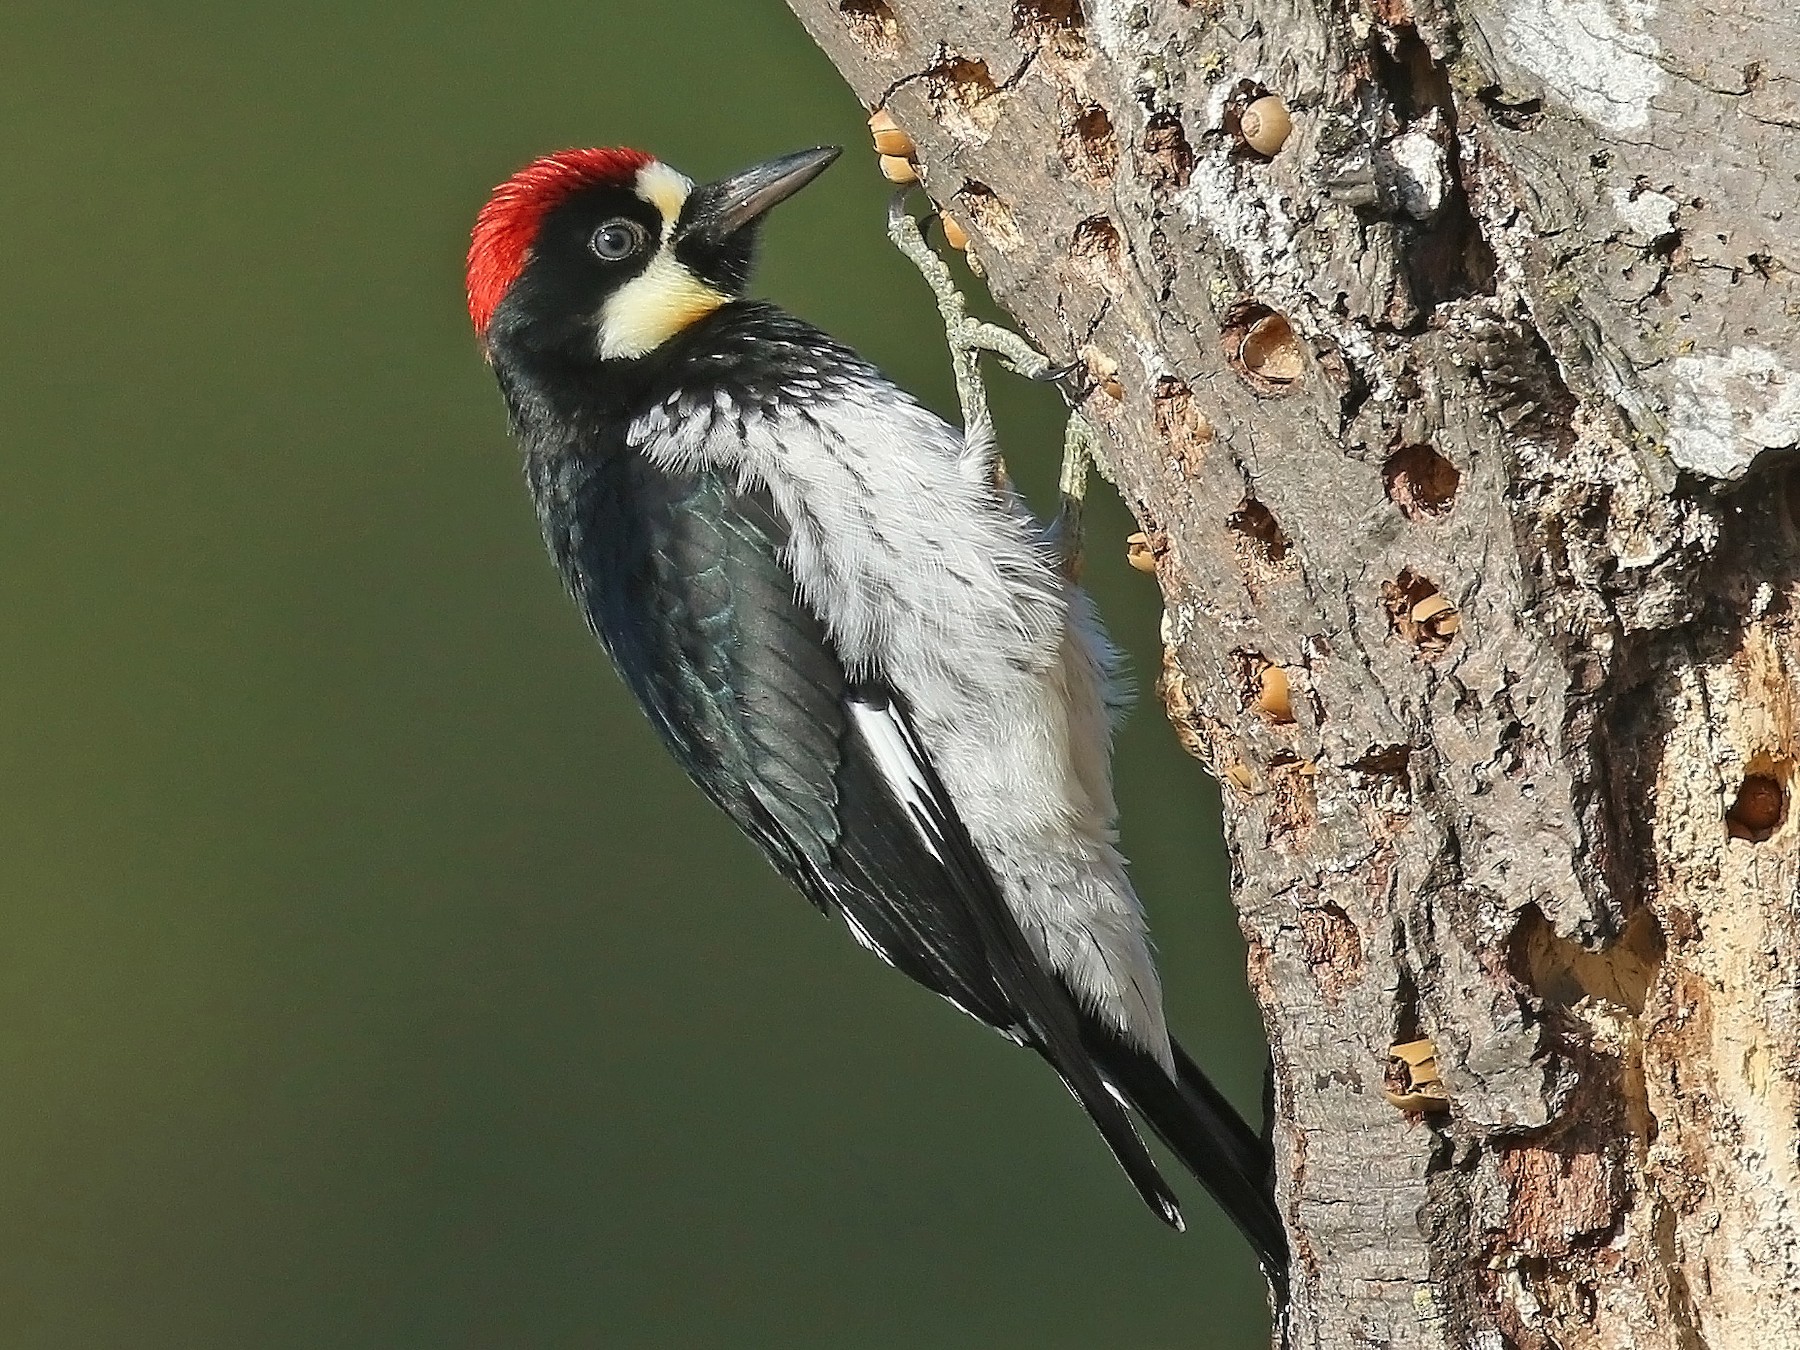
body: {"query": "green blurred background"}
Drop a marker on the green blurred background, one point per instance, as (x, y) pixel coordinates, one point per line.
(370, 979)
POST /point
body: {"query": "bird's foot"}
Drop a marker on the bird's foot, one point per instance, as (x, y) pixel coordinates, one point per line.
(966, 336)
(1019, 355)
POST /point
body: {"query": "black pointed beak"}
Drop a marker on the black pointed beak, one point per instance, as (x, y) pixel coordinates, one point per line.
(719, 210)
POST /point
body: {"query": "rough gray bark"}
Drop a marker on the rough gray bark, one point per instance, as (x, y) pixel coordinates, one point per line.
(1472, 410)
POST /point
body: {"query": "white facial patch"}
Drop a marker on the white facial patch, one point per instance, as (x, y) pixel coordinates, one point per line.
(665, 297)
(653, 307)
(666, 189)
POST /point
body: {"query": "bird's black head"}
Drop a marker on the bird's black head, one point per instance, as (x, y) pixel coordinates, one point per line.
(601, 255)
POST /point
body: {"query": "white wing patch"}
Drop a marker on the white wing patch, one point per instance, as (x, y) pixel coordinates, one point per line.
(861, 935)
(897, 757)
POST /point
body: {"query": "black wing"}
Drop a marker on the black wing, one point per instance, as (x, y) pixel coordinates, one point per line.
(682, 578)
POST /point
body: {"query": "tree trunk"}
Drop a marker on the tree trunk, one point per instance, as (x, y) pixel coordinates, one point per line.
(1461, 424)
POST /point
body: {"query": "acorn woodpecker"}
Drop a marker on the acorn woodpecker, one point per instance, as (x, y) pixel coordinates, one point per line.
(845, 625)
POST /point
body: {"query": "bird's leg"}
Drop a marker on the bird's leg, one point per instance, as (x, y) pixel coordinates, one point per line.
(967, 336)
(1077, 461)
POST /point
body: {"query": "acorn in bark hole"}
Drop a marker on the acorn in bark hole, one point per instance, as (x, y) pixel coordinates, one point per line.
(888, 137)
(1760, 805)
(1271, 351)
(1274, 697)
(1265, 125)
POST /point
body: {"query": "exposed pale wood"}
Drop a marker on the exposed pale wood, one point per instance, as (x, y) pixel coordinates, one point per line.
(1472, 408)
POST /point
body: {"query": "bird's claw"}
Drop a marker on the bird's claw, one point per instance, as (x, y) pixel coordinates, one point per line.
(968, 337)
(897, 211)
(1039, 372)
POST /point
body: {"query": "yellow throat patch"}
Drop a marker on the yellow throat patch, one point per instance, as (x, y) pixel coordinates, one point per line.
(665, 297)
(653, 307)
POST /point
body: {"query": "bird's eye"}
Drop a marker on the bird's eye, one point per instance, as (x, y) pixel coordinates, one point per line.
(618, 239)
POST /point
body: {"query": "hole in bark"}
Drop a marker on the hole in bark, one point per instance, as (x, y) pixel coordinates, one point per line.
(1262, 347)
(1761, 804)
(1347, 378)
(871, 26)
(1385, 761)
(1562, 972)
(1445, 255)
(1406, 1008)
(1420, 613)
(1055, 24)
(1420, 481)
(961, 92)
(1089, 147)
(1263, 687)
(991, 216)
(1333, 948)
(1413, 78)
(1096, 250)
(1521, 115)
(1409, 1078)
(1790, 498)
(1181, 424)
(1449, 259)
(1257, 533)
(1294, 800)
(1168, 159)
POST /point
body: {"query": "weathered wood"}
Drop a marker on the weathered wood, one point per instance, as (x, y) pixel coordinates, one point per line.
(1472, 408)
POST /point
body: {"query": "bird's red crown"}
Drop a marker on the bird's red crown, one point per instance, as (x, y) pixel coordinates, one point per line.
(507, 226)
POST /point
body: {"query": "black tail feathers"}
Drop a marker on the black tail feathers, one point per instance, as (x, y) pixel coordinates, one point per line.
(1114, 1123)
(1204, 1130)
